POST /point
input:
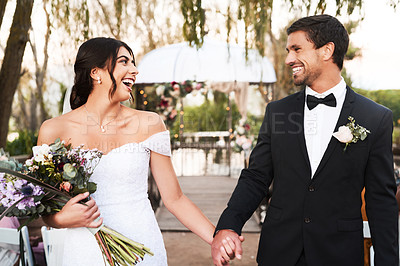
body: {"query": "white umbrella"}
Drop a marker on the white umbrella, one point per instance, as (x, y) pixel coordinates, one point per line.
(212, 62)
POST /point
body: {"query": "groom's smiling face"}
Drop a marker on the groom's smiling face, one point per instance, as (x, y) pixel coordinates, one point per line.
(303, 58)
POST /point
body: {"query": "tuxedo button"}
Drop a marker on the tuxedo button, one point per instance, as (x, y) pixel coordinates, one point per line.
(307, 220)
(311, 188)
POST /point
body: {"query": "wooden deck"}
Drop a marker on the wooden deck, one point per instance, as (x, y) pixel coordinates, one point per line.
(210, 194)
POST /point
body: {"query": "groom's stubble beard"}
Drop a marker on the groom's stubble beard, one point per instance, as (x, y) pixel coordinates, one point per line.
(308, 78)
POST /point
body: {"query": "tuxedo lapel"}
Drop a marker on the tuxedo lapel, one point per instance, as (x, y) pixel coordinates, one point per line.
(299, 109)
(343, 120)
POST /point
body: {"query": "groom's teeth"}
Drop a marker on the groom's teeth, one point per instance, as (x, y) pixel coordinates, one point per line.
(297, 69)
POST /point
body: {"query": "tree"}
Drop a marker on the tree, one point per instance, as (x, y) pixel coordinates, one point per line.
(256, 18)
(72, 18)
(11, 67)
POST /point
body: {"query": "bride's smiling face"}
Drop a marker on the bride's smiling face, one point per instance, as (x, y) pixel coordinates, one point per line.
(124, 75)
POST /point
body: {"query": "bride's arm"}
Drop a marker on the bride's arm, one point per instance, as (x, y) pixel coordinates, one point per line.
(73, 214)
(175, 201)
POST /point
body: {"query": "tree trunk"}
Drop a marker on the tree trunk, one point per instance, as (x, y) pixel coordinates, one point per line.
(11, 67)
(23, 117)
(3, 4)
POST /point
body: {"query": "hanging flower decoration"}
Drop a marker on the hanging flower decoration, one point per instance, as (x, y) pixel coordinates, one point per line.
(244, 140)
(168, 95)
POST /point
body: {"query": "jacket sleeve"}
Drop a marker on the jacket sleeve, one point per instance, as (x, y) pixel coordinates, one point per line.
(253, 184)
(380, 190)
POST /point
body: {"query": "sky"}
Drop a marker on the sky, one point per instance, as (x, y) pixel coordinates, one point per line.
(378, 36)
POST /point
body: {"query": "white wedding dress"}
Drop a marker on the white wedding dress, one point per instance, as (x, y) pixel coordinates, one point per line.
(121, 178)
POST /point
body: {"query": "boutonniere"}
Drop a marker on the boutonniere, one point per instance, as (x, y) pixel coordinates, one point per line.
(351, 133)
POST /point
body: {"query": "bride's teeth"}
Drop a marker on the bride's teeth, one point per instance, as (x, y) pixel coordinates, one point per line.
(127, 81)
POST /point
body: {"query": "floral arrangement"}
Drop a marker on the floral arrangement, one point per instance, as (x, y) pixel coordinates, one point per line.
(168, 95)
(244, 140)
(351, 133)
(45, 183)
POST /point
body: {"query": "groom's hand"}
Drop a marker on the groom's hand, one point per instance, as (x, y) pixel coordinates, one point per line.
(226, 245)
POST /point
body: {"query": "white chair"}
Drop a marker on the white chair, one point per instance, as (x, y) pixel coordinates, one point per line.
(367, 234)
(53, 242)
(11, 236)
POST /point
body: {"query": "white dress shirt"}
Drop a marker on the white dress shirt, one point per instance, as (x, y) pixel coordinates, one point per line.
(320, 122)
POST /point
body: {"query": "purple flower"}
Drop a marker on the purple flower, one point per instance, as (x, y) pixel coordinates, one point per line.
(13, 190)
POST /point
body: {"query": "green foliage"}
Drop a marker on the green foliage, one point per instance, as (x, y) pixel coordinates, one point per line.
(257, 14)
(195, 17)
(63, 90)
(396, 136)
(67, 12)
(394, 3)
(388, 98)
(254, 123)
(23, 144)
(210, 116)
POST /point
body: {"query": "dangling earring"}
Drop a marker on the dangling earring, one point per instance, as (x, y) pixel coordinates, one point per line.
(98, 80)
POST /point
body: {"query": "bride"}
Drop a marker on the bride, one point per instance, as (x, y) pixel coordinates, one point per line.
(131, 141)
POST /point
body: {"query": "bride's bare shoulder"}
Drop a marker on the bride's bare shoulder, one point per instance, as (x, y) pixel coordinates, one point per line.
(149, 123)
(56, 127)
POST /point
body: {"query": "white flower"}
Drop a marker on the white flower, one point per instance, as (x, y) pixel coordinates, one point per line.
(247, 145)
(29, 162)
(175, 93)
(240, 130)
(343, 134)
(3, 158)
(160, 90)
(39, 152)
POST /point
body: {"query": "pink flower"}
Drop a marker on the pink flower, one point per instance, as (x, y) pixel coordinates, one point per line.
(173, 114)
(66, 186)
(176, 87)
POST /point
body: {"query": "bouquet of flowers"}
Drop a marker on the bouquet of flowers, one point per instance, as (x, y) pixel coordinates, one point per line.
(45, 183)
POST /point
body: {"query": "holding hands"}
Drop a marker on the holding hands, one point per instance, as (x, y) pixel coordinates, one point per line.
(226, 246)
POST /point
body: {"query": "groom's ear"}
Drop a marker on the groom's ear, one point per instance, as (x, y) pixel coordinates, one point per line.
(327, 51)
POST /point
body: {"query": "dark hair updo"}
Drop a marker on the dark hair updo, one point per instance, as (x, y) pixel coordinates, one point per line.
(97, 52)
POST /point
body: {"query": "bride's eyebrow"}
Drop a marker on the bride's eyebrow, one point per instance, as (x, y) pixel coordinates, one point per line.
(123, 56)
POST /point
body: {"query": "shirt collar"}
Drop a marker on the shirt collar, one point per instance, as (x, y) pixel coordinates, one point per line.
(339, 90)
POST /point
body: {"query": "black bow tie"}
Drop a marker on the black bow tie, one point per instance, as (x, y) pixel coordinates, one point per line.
(329, 100)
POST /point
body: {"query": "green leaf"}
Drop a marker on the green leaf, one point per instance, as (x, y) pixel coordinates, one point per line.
(41, 208)
(92, 187)
(69, 171)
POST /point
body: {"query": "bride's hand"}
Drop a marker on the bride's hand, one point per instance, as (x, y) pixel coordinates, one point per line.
(75, 214)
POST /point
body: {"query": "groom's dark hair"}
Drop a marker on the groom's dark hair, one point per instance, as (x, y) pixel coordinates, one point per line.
(322, 29)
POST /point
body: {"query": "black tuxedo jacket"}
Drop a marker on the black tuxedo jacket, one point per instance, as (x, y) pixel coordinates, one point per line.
(320, 216)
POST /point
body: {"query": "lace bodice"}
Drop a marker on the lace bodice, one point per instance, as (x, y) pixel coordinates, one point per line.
(121, 177)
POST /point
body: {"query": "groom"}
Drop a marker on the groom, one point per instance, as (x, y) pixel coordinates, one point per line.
(314, 217)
